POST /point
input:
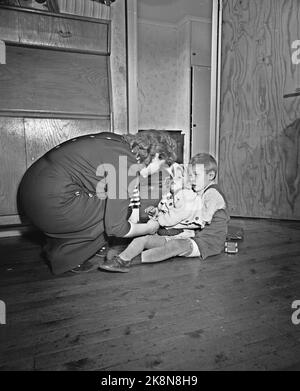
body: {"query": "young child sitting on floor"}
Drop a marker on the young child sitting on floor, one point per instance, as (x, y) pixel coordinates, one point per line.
(198, 210)
(179, 211)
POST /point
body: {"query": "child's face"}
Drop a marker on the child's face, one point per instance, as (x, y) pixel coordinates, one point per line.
(199, 177)
(177, 182)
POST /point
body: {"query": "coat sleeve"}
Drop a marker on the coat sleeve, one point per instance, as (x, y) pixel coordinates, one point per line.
(116, 217)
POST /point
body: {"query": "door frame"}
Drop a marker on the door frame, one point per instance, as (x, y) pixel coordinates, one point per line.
(215, 77)
(132, 87)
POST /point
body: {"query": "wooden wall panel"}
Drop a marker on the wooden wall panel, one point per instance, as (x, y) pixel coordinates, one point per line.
(54, 86)
(118, 68)
(259, 128)
(54, 81)
(50, 30)
(43, 134)
(12, 162)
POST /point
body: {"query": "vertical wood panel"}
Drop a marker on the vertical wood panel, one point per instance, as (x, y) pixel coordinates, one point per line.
(118, 64)
(44, 134)
(259, 128)
(12, 162)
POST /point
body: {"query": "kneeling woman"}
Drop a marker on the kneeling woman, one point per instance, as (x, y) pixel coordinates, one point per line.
(78, 192)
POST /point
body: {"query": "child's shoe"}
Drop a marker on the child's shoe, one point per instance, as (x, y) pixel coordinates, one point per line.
(116, 264)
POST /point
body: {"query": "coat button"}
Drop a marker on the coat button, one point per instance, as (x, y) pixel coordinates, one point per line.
(77, 193)
(90, 195)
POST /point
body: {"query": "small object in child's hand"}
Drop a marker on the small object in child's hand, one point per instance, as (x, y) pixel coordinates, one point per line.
(231, 247)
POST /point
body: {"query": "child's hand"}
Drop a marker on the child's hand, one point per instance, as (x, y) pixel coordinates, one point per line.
(151, 211)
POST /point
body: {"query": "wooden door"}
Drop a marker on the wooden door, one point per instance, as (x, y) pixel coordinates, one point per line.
(200, 109)
(12, 166)
(260, 108)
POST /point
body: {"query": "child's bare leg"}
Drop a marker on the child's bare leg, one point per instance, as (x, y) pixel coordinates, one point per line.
(141, 243)
(121, 263)
(172, 248)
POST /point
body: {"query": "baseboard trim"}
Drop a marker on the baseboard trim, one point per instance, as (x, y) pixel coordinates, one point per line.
(15, 231)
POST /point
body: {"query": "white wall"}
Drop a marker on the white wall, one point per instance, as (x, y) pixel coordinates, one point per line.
(164, 63)
(183, 87)
(157, 76)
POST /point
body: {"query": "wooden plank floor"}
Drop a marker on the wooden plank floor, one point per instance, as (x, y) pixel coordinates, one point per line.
(230, 312)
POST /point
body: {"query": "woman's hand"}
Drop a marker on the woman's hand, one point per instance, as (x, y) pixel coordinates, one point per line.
(153, 226)
(151, 211)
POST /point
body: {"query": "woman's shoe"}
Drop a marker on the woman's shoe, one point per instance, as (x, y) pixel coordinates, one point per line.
(102, 252)
(116, 264)
(87, 266)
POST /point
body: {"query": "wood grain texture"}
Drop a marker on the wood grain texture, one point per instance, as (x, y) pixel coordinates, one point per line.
(259, 129)
(37, 79)
(47, 30)
(118, 68)
(230, 312)
(44, 134)
(71, 81)
(12, 162)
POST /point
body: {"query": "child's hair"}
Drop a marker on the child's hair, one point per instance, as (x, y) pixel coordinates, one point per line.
(207, 160)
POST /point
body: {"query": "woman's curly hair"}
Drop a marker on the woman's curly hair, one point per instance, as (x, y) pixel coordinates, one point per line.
(147, 143)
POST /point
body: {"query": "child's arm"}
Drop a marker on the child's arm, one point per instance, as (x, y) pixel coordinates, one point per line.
(212, 201)
(179, 211)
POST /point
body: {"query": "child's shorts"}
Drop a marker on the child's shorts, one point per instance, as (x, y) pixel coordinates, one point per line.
(195, 250)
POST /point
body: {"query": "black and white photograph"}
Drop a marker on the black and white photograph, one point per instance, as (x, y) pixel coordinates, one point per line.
(149, 189)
